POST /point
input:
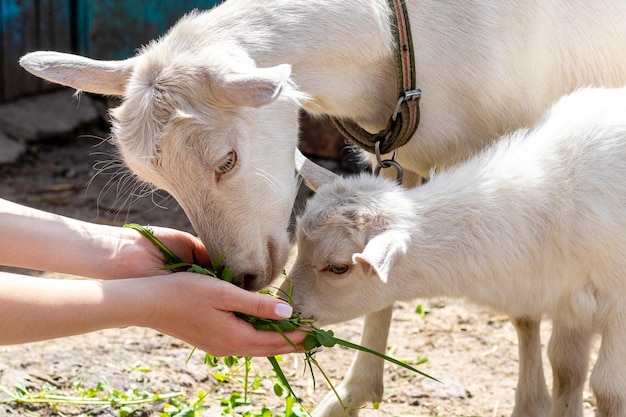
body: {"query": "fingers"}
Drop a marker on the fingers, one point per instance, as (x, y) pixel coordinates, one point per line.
(264, 306)
(184, 245)
(198, 251)
(245, 340)
(214, 327)
(200, 255)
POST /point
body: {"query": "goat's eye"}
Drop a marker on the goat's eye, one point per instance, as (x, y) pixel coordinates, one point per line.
(227, 164)
(337, 269)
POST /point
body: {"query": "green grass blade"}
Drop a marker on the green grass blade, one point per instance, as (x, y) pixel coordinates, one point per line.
(350, 345)
(248, 359)
(280, 375)
(312, 360)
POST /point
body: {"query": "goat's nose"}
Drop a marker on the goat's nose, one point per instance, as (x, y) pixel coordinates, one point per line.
(246, 281)
(249, 281)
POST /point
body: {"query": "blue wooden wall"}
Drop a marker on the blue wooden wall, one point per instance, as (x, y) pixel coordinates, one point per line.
(114, 29)
(103, 29)
(28, 25)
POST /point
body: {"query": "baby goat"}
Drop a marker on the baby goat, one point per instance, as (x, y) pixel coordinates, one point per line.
(534, 226)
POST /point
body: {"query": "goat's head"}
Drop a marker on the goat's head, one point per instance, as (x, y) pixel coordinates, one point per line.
(214, 131)
(350, 235)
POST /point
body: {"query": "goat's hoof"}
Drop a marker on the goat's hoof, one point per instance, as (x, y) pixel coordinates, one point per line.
(539, 409)
(331, 407)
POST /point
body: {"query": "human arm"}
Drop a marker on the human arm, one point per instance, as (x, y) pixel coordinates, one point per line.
(193, 308)
(35, 239)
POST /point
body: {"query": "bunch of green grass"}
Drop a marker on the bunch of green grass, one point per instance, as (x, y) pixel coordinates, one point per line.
(315, 337)
(96, 399)
(86, 400)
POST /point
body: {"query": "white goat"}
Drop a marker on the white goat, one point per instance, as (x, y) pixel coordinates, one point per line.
(210, 110)
(535, 225)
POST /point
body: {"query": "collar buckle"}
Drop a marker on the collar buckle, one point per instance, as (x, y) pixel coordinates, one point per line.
(409, 95)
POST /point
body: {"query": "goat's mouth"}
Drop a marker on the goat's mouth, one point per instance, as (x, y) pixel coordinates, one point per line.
(278, 255)
(274, 260)
(308, 317)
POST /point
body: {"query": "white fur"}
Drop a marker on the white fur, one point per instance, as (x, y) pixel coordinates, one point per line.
(216, 86)
(534, 226)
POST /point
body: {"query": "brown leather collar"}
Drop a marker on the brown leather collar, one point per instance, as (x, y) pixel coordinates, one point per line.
(405, 119)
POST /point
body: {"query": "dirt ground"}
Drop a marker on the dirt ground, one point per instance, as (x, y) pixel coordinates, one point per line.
(472, 350)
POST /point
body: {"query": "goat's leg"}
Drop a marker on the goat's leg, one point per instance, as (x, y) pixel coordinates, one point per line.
(364, 380)
(568, 351)
(531, 396)
(608, 379)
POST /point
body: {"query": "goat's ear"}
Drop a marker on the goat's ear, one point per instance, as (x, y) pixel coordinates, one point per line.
(314, 175)
(254, 87)
(381, 253)
(90, 75)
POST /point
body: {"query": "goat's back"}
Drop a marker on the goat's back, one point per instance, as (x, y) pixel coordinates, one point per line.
(553, 197)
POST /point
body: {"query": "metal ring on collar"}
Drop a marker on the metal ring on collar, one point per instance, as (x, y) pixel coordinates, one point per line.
(388, 163)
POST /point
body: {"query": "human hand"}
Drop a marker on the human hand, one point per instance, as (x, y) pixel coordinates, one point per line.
(199, 310)
(195, 308)
(136, 256)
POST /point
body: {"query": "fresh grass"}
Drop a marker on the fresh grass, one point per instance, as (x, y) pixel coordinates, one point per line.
(90, 399)
(84, 400)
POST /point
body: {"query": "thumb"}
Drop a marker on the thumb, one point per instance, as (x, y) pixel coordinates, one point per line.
(255, 304)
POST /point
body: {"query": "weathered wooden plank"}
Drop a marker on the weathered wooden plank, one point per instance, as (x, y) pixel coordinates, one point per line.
(28, 25)
(105, 29)
(54, 19)
(17, 36)
(109, 29)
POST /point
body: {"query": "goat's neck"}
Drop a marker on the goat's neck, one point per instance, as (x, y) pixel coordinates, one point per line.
(340, 51)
